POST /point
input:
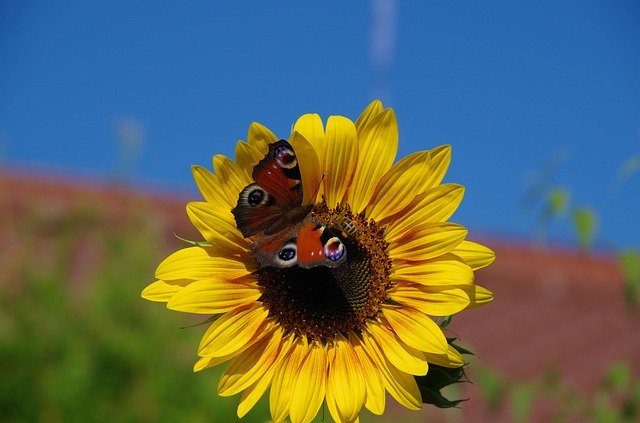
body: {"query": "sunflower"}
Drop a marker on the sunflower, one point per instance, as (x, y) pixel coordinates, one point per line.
(342, 336)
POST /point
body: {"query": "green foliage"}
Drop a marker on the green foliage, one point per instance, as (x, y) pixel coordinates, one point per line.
(585, 222)
(557, 204)
(629, 262)
(616, 398)
(90, 349)
(620, 393)
(438, 378)
(619, 376)
(522, 397)
(435, 380)
(555, 201)
(558, 201)
(493, 386)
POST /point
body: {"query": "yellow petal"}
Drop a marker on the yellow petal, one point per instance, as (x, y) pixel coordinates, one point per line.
(401, 355)
(217, 226)
(346, 388)
(341, 156)
(447, 269)
(440, 157)
(368, 113)
(310, 386)
(452, 358)
(480, 296)
(208, 185)
(251, 365)
(199, 263)
(436, 205)
(233, 331)
(210, 361)
(253, 393)
(475, 255)
(399, 186)
(162, 291)
(402, 386)
(231, 177)
(310, 127)
(416, 329)
(377, 147)
(247, 157)
(375, 397)
(259, 137)
(214, 296)
(285, 378)
(430, 300)
(427, 241)
(309, 167)
(203, 363)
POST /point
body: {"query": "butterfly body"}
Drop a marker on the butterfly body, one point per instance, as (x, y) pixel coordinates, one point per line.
(271, 210)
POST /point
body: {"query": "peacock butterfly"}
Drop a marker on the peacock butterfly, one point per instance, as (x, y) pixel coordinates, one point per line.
(271, 209)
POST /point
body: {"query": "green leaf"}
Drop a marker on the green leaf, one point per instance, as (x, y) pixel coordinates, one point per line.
(619, 375)
(605, 413)
(439, 377)
(446, 321)
(585, 222)
(493, 387)
(436, 398)
(458, 347)
(558, 200)
(631, 408)
(521, 402)
(629, 262)
(194, 243)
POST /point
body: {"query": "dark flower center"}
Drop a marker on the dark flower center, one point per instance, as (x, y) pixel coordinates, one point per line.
(322, 302)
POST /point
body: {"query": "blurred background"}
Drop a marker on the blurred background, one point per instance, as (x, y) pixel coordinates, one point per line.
(104, 106)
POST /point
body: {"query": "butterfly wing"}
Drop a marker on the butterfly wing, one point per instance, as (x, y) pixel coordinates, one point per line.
(272, 209)
(318, 245)
(307, 245)
(274, 201)
(279, 174)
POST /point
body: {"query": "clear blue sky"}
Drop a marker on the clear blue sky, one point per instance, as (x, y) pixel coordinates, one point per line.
(510, 86)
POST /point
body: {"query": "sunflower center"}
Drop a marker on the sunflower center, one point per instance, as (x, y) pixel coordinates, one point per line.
(322, 302)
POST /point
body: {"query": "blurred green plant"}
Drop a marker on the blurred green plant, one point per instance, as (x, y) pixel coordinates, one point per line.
(617, 396)
(615, 399)
(521, 402)
(91, 350)
(629, 262)
(558, 201)
(585, 223)
(554, 203)
(493, 386)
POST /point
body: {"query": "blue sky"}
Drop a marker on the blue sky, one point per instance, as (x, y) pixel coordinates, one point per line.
(511, 86)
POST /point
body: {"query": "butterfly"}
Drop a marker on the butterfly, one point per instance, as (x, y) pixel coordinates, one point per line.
(271, 208)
